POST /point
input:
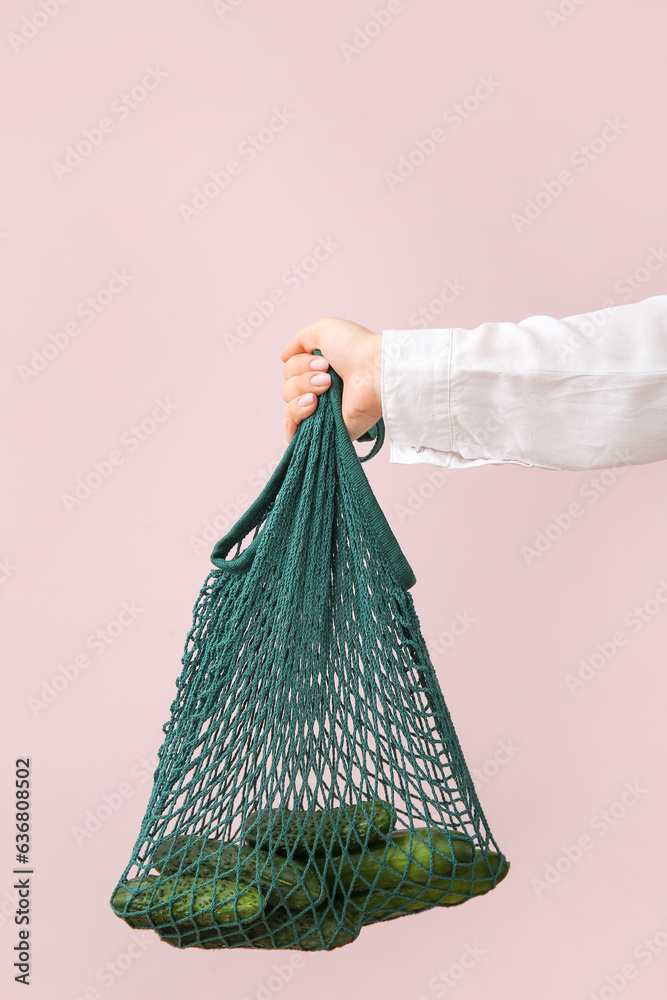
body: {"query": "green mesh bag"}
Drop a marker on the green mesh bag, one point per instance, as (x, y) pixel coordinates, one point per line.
(310, 781)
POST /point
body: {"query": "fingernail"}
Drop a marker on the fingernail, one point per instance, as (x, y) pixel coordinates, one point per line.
(306, 400)
(319, 363)
(322, 379)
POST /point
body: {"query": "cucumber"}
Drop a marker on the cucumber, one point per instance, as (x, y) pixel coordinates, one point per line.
(358, 909)
(474, 879)
(317, 831)
(385, 904)
(278, 928)
(281, 880)
(453, 899)
(408, 857)
(182, 900)
(497, 865)
(174, 851)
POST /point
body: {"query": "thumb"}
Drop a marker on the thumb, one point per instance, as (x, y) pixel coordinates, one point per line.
(305, 340)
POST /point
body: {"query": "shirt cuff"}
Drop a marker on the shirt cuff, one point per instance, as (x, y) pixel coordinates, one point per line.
(415, 393)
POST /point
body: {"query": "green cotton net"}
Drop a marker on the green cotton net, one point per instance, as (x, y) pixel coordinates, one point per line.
(310, 781)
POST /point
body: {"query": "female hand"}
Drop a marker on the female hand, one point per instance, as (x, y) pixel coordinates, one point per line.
(355, 354)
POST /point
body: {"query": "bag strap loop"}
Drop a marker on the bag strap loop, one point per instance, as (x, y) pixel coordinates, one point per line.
(376, 431)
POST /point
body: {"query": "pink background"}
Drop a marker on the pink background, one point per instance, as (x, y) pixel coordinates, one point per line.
(219, 73)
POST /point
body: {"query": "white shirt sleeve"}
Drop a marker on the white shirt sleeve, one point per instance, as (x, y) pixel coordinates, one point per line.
(584, 392)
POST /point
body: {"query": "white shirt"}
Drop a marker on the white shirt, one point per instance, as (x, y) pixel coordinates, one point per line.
(584, 392)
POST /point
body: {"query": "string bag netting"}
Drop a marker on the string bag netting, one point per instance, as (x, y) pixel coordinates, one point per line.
(310, 781)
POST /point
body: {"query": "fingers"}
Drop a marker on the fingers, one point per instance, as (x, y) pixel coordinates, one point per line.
(298, 390)
(302, 385)
(298, 369)
(296, 411)
(301, 389)
(304, 365)
(290, 429)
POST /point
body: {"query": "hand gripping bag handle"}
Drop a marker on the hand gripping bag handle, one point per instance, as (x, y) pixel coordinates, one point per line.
(374, 517)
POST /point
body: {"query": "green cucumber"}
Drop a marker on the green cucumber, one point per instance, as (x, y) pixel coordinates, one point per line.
(282, 880)
(497, 866)
(408, 856)
(385, 904)
(279, 928)
(174, 851)
(317, 831)
(474, 879)
(182, 899)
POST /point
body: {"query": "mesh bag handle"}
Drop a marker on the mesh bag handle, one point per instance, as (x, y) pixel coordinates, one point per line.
(350, 462)
(374, 518)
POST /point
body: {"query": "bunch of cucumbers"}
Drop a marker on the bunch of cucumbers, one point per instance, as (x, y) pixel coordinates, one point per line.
(304, 879)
